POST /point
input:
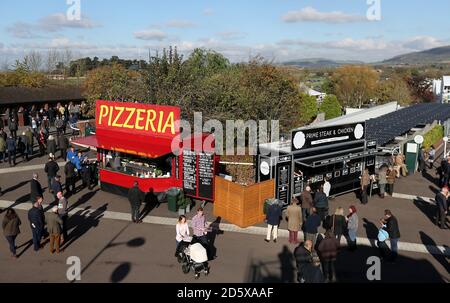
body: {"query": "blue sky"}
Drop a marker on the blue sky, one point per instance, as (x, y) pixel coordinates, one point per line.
(279, 30)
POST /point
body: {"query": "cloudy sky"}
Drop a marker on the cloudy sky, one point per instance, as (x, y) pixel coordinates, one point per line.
(279, 30)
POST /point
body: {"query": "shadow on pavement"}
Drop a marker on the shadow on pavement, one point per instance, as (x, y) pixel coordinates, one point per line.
(121, 272)
(83, 199)
(212, 236)
(371, 231)
(429, 210)
(15, 187)
(442, 259)
(81, 222)
(351, 267)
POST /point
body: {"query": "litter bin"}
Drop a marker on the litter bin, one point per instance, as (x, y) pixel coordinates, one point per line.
(267, 203)
(172, 199)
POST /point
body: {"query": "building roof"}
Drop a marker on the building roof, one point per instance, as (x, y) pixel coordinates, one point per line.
(360, 116)
(386, 128)
(315, 93)
(21, 95)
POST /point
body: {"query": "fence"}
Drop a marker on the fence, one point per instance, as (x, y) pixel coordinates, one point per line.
(242, 205)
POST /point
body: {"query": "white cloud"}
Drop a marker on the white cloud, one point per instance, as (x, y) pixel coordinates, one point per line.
(150, 34)
(423, 42)
(231, 35)
(310, 14)
(180, 23)
(208, 12)
(57, 22)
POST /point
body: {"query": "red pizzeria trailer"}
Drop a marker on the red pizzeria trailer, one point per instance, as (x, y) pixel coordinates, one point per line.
(142, 142)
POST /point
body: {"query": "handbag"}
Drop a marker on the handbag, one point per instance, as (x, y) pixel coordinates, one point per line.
(382, 235)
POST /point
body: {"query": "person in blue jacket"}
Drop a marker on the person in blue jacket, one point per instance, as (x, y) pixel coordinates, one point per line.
(71, 153)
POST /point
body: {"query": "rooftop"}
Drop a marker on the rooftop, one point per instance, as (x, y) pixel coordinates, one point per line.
(21, 95)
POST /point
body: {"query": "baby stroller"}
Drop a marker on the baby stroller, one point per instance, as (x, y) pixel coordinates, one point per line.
(194, 257)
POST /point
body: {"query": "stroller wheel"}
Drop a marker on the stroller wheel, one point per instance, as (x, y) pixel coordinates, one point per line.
(185, 268)
(179, 259)
(206, 272)
(197, 276)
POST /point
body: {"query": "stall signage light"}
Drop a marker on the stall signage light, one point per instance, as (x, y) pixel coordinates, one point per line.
(136, 118)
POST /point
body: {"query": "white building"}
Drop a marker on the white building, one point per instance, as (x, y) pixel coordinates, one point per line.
(318, 95)
(441, 89)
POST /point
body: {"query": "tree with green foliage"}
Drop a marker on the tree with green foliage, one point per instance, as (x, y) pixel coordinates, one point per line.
(331, 107)
(308, 108)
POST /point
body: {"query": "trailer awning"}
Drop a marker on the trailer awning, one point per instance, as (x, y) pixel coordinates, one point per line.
(149, 147)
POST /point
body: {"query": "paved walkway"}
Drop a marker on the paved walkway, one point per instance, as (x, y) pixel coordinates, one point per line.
(403, 246)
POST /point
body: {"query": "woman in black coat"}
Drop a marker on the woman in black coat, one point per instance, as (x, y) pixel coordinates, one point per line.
(10, 226)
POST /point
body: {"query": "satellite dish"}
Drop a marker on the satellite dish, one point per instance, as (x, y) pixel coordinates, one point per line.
(419, 139)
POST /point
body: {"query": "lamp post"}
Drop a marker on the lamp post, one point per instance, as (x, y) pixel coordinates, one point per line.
(445, 146)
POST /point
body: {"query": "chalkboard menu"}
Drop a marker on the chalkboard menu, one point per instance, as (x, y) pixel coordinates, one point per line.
(190, 172)
(206, 176)
(298, 186)
(283, 178)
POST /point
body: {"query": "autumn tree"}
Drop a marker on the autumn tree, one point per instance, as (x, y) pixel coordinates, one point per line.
(355, 85)
(394, 89)
(331, 107)
(114, 83)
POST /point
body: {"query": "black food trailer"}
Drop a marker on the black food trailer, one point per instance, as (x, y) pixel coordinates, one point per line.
(338, 153)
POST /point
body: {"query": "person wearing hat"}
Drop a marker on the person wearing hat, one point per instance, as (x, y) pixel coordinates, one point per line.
(51, 168)
(54, 223)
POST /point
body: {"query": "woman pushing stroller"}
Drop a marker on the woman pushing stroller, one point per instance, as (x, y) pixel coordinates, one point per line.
(183, 234)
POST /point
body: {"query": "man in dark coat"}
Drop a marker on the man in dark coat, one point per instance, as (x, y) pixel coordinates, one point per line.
(136, 197)
(30, 141)
(36, 189)
(311, 226)
(11, 150)
(328, 249)
(69, 171)
(321, 204)
(63, 144)
(273, 218)
(86, 174)
(51, 168)
(307, 203)
(307, 272)
(13, 127)
(56, 186)
(36, 218)
(393, 231)
(441, 207)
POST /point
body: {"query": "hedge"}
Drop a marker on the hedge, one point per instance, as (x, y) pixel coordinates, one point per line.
(433, 136)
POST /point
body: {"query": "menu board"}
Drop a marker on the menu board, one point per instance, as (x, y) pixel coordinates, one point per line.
(283, 179)
(206, 176)
(298, 186)
(190, 172)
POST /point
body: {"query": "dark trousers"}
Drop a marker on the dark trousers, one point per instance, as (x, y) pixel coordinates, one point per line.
(37, 235)
(12, 154)
(12, 244)
(14, 134)
(135, 212)
(440, 218)
(394, 249)
(384, 249)
(390, 189)
(64, 227)
(30, 150)
(63, 154)
(70, 184)
(322, 212)
(306, 212)
(49, 180)
(41, 150)
(2, 156)
(364, 195)
(329, 269)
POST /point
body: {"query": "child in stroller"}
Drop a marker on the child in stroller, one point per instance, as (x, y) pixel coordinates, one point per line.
(193, 255)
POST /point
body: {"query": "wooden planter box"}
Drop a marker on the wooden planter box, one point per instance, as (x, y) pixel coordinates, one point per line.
(242, 205)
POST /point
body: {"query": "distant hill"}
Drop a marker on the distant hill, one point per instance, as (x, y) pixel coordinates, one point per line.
(319, 63)
(432, 56)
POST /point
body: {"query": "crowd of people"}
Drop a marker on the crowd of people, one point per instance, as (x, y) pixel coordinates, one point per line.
(317, 255)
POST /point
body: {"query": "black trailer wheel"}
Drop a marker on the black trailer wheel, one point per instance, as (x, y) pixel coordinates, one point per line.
(186, 268)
